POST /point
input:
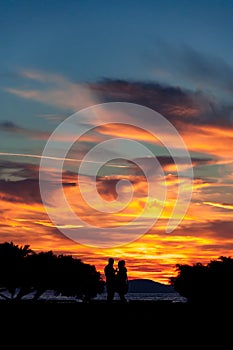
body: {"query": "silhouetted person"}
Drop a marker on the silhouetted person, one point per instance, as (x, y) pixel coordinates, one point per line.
(110, 277)
(122, 280)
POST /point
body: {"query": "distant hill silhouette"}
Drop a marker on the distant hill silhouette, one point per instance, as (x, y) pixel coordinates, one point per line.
(148, 286)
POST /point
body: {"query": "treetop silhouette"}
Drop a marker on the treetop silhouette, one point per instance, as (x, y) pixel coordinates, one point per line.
(212, 282)
(23, 271)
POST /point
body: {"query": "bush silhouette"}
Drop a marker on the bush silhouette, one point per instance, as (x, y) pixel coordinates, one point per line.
(12, 266)
(23, 271)
(212, 282)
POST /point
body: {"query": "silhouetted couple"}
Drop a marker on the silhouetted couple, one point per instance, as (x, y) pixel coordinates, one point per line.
(116, 280)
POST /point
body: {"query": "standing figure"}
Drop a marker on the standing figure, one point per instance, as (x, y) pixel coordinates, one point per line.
(110, 277)
(122, 280)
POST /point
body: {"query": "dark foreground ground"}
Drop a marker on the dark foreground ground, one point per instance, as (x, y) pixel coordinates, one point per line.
(53, 324)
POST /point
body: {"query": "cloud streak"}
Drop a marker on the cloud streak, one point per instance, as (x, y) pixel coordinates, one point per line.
(11, 127)
(220, 205)
(57, 91)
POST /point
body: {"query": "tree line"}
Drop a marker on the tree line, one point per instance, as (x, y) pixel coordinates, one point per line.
(23, 271)
(208, 283)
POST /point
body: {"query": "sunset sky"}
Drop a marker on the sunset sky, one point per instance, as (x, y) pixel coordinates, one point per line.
(168, 59)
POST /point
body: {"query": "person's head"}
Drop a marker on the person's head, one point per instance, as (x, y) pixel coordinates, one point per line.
(121, 263)
(111, 261)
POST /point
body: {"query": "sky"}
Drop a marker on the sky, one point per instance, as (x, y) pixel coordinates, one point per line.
(96, 92)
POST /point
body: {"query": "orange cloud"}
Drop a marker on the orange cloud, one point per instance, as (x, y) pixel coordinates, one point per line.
(208, 139)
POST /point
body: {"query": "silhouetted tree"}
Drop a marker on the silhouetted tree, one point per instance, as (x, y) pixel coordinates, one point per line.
(205, 283)
(40, 272)
(11, 268)
(78, 279)
(22, 271)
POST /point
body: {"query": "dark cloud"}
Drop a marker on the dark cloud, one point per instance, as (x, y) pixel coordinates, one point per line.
(168, 160)
(18, 169)
(11, 127)
(221, 247)
(174, 103)
(201, 70)
(211, 71)
(219, 229)
(107, 187)
(25, 191)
